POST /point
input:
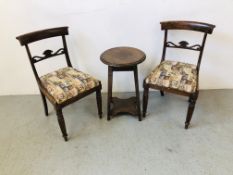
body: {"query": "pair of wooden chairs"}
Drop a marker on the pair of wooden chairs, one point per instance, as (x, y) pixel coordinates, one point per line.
(67, 85)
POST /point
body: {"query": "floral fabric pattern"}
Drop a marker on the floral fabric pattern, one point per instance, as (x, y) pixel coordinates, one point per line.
(66, 83)
(175, 75)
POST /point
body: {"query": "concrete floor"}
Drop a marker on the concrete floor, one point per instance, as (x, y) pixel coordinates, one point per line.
(31, 144)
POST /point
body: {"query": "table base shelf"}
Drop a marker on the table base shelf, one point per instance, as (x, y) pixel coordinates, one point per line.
(124, 106)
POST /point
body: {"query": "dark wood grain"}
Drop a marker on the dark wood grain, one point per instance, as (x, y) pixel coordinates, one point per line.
(122, 56)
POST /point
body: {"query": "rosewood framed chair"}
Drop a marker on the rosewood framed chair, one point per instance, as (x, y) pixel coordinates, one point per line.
(63, 86)
(174, 76)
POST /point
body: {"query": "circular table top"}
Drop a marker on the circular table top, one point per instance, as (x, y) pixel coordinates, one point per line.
(122, 56)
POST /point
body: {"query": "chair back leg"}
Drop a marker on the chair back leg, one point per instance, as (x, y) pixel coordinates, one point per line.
(145, 100)
(99, 102)
(44, 103)
(161, 93)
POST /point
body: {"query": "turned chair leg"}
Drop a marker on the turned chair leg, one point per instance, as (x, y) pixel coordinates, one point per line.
(61, 123)
(145, 101)
(192, 102)
(44, 103)
(161, 93)
(99, 102)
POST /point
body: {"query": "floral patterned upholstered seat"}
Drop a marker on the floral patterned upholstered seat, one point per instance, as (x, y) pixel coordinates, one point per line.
(174, 75)
(66, 83)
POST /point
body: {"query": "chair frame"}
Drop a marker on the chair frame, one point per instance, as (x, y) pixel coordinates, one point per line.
(28, 38)
(180, 25)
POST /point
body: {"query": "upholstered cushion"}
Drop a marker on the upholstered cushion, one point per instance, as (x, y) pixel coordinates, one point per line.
(175, 75)
(66, 83)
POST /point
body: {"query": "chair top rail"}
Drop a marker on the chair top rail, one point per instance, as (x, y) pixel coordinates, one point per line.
(42, 34)
(187, 25)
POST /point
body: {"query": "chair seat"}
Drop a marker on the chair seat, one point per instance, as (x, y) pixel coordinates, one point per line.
(174, 75)
(66, 83)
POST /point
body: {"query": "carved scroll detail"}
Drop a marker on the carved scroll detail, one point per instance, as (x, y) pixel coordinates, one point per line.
(184, 45)
(48, 54)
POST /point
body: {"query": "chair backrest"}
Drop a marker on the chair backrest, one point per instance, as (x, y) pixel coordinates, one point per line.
(186, 25)
(28, 38)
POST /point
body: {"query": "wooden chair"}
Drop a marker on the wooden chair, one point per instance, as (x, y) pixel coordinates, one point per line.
(178, 77)
(63, 86)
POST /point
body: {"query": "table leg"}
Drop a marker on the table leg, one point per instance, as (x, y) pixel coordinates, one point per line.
(137, 92)
(109, 101)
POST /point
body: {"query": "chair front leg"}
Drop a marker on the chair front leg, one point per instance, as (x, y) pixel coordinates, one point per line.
(99, 101)
(145, 100)
(44, 103)
(192, 102)
(61, 123)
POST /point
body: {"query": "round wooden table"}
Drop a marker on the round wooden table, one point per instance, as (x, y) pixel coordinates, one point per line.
(123, 59)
